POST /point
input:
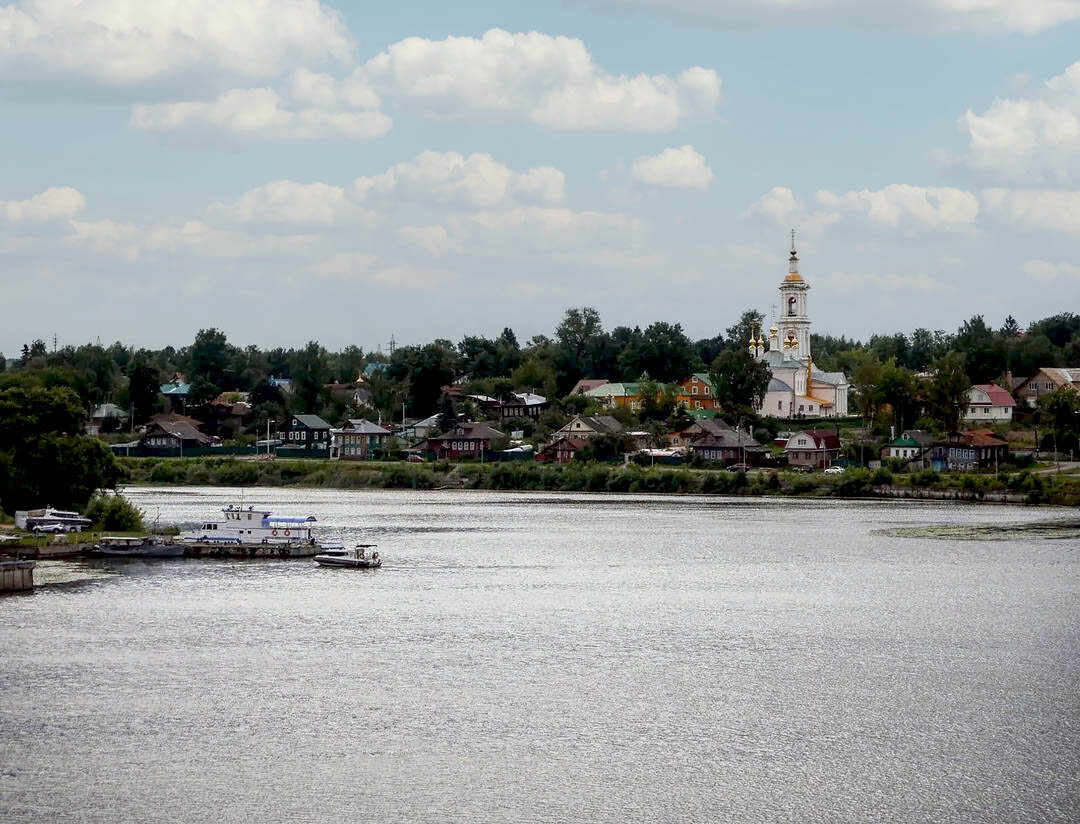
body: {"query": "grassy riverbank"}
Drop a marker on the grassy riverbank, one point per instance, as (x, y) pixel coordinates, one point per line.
(591, 477)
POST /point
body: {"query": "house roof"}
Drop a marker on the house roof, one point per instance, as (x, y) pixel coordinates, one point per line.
(530, 398)
(701, 378)
(823, 438)
(180, 429)
(566, 442)
(997, 395)
(109, 410)
(180, 389)
(725, 439)
(920, 436)
(363, 426)
(471, 431)
(904, 440)
(614, 390)
(982, 437)
(312, 421)
(585, 384)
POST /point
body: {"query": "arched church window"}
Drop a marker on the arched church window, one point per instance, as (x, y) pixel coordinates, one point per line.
(791, 301)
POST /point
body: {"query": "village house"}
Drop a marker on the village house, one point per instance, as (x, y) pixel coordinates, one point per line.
(465, 440)
(519, 405)
(968, 450)
(232, 407)
(173, 435)
(813, 447)
(988, 403)
(728, 446)
(587, 426)
(1045, 381)
(306, 432)
(616, 395)
(107, 417)
(176, 392)
(561, 450)
(358, 439)
(913, 449)
(696, 392)
(687, 434)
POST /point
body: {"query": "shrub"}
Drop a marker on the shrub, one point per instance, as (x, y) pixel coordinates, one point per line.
(881, 477)
(114, 513)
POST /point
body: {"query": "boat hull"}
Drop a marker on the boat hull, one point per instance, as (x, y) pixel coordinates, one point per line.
(162, 551)
(196, 549)
(349, 563)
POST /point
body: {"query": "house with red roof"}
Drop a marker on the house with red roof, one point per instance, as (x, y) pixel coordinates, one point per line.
(813, 447)
(988, 403)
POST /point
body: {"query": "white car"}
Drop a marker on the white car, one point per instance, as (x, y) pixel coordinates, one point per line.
(835, 470)
(54, 528)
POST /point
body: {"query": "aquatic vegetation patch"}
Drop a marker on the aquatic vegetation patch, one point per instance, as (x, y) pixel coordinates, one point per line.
(1038, 530)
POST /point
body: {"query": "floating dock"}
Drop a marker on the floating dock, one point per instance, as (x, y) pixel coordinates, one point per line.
(17, 576)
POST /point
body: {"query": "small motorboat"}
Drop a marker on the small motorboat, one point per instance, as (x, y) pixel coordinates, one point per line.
(358, 558)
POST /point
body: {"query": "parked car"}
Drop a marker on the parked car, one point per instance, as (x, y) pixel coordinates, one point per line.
(414, 458)
(739, 467)
(53, 528)
(802, 468)
(835, 470)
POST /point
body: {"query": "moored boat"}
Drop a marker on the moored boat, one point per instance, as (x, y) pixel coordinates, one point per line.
(149, 546)
(252, 527)
(357, 558)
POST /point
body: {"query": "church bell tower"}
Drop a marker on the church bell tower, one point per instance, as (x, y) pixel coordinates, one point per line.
(794, 322)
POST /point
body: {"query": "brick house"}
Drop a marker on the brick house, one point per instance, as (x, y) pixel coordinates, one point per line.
(562, 450)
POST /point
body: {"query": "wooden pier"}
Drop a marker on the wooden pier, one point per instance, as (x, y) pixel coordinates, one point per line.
(17, 576)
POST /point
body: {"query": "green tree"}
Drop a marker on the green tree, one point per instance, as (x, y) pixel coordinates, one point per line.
(1060, 409)
(447, 419)
(309, 374)
(947, 391)
(865, 375)
(750, 323)
(208, 359)
(44, 458)
(740, 380)
(143, 387)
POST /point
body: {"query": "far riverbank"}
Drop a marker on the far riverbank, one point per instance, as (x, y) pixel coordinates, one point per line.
(1016, 488)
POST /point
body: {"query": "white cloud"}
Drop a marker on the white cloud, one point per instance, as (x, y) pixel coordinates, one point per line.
(263, 113)
(916, 15)
(1044, 271)
(928, 206)
(546, 229)
(780, 207)
(124, 43)
(285, 202)
(681, 168)
(1041, 209)
(192, 238)
(1034, 139)
(434, 240)
(550, 81)
(477, 180)
(52, 204)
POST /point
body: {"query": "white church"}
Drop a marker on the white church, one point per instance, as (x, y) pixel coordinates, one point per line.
(798, 389)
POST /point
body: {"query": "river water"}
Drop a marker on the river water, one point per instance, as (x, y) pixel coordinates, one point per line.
(554, 658)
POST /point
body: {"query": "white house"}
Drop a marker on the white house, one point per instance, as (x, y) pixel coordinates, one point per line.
(988, 403)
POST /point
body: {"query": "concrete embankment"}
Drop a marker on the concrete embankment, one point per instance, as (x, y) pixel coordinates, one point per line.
(931, 494)
(16, 576)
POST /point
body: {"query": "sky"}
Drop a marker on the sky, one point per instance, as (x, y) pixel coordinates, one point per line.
(349, 172)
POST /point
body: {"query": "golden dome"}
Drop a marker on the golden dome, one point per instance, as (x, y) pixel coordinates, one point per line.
(773, 330)
(793, 277)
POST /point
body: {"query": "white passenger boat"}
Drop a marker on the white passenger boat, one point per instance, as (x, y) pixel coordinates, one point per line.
(252, 527)
(149, 546)
(357, 558)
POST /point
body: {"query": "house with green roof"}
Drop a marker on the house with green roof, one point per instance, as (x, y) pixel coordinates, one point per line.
(912, 448)
(697, 392)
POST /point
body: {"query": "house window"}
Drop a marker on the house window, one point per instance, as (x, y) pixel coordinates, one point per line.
(693, 390)
(706, 390)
